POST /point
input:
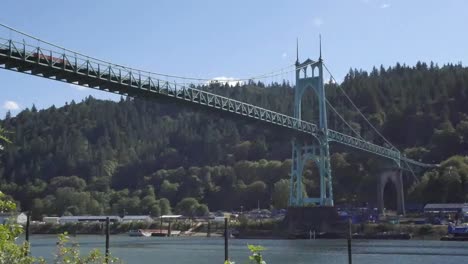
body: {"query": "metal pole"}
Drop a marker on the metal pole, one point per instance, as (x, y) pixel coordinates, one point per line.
(27, 234)
(27, 227)
(350, 259)
(208, 232)
(107, 239)
(226, 252)
(169, 229)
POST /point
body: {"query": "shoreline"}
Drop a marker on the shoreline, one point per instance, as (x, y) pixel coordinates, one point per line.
(249, 231)
(203, 235)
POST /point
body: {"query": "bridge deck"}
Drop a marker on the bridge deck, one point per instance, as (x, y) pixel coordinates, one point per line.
(89, 72)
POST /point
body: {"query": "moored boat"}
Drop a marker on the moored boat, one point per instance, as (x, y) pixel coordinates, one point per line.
(456, 233)
(459, 230)
(139, 233)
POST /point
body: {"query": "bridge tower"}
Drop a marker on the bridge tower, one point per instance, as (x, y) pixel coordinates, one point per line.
(309, 75)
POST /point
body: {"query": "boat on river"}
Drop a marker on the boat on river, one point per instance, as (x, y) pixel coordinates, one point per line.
(139, 233)
(456, 233)
(459, 230)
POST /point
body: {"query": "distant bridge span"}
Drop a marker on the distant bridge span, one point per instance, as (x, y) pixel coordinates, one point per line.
(88, 72)
(68, 66)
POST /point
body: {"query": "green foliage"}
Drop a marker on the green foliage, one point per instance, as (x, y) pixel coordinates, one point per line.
(3, 138)
(255, 255)
(165, 206)
(6, 205)
(71, 254)
(202, 210)
(264, 224)
(10, 252)
(447, 183)
(190, 207)
(384, 227)
(280, 193)
(425, 230)
(100, 156)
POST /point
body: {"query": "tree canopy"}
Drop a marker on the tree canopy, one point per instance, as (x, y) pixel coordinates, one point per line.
(142, 157)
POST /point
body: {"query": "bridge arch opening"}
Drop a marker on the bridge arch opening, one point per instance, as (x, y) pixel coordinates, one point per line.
(308, 71)
(302, 73)
(311, 179)
(390, 196)
(315, 71)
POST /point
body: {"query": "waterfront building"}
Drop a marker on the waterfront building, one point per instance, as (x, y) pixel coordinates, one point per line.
(450, 211)
(88, 218)
(137, 219)
(170, 217)
(444, 208)
(51, 219)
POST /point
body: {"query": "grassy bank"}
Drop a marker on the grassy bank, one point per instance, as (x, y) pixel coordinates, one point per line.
(418, 231)
(274, 229)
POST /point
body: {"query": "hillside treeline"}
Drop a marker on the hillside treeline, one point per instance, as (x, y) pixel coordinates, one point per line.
(143, 157)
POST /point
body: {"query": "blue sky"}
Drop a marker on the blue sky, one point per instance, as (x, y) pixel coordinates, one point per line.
(214, 38)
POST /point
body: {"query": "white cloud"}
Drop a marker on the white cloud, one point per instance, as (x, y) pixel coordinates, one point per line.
(229, 80)
(77, 87)
(385, 6)
(284, 55)
(318, 21)
(11, 105)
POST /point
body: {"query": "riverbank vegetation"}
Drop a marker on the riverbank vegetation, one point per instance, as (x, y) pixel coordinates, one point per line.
(255, 255)
(115, 228)
(421, 232)
(18, 253)
(143, 157)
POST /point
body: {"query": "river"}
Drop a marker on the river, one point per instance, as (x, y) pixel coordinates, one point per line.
(192, 250)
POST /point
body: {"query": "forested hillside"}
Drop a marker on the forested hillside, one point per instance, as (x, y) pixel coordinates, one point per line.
(137, 156)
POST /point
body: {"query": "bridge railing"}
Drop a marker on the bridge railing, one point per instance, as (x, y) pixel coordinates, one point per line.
(19, 37)
(115, 77)
(119, 75)
(363, 145)
(230, 105)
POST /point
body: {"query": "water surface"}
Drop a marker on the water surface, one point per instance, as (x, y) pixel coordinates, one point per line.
(191, 250)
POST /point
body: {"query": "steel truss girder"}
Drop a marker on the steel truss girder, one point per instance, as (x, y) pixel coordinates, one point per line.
(95, 75)
(88, 72)
(303, 152)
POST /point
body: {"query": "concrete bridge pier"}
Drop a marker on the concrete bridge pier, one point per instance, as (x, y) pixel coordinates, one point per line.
(391, 176)
(301, 221)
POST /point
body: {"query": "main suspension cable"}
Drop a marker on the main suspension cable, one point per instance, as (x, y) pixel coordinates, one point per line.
(255, 77)
(359, 111)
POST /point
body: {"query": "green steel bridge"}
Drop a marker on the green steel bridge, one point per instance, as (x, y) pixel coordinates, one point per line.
(50, 61)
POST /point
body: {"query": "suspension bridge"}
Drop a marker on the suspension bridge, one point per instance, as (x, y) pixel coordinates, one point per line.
(25, 53)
